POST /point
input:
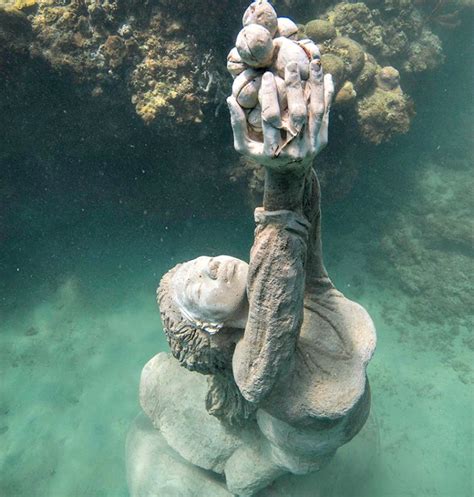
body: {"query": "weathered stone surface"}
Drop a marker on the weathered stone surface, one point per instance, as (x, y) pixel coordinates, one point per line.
(154, 469)
(252, 467)
(174, 399)
(327, 376)
(324, 379)
(276, 293)
(251, 457)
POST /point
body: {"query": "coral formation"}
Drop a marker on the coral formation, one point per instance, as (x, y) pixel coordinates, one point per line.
(362, 86)
(424, 53)
(159, 61)
(386, 110)
(15, 35)
(392, 35)
(112, 47)
(356, 42)
(383, 114)
(74, 38)
(163, 83)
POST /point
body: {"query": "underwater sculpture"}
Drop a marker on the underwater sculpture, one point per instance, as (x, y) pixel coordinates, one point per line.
(284, 353)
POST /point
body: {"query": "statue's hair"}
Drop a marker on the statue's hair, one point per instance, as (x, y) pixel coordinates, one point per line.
(193, 346)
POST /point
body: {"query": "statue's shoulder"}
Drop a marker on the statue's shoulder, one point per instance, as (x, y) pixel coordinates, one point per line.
(328, 375)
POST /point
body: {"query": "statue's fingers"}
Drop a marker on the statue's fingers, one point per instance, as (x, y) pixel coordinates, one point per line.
(323, 131)
(296, 102)
(316, 101)
(239, 125)
(328, 93)
(268, 98)
(271, 139)
(322, 137)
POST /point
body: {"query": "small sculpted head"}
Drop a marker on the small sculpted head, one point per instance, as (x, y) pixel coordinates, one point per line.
(203, 305)
(212, 290)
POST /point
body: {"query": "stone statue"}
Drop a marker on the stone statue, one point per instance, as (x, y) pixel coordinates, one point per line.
(284, 352)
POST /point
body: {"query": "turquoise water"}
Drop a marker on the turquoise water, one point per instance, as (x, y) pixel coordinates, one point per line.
(85, 240)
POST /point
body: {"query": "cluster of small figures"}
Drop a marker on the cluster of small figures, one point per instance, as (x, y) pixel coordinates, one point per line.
(266, 43)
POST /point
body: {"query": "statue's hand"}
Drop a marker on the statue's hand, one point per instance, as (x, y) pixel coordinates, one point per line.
(290, 138)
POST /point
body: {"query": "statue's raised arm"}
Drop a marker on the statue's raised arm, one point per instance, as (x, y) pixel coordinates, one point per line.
(280, 114)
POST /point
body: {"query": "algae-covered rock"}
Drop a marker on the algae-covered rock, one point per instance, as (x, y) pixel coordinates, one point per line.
(334, 65)
(131, 48)
(388, 78)
(351, 52)
(115, 51)
(383, 114)
(392, 33)
(13, 24)
(162, 84)
(24, 4)
(79, 39)
(320, 30)
(355, 20)
(424, 54)
(376, 46)
(366, 76)
(344, 59)
(15, 36)
(346, 94)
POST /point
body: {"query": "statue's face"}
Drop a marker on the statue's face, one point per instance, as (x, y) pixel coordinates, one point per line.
(212, 289)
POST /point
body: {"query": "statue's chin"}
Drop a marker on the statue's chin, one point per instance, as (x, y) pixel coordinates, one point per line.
(238, 323)
(239, 318)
